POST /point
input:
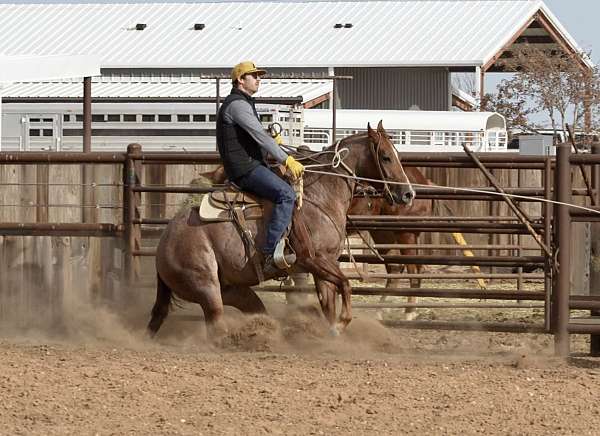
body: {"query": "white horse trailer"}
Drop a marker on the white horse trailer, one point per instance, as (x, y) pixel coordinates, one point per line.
(157, 126)
(412, 130)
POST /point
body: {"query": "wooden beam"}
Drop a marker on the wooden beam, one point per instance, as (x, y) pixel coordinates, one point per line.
(316, 101)
(564, 45)
(463, 105)
(510, 42)
(481, 88)
(538, 21)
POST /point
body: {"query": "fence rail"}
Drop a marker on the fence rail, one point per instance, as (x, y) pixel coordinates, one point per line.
(555, 230)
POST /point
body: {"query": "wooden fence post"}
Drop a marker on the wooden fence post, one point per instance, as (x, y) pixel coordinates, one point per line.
(595, 254)
(132, 176)
(561, 293)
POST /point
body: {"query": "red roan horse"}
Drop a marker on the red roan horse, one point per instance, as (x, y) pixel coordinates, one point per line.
(205, 263)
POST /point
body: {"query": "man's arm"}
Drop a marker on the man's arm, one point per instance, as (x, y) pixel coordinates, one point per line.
(241, 114)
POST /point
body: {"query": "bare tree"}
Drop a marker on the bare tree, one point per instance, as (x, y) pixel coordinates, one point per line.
(559, 86)
(514, 106)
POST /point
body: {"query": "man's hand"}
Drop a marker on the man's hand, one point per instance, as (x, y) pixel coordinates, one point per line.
(278, 139)
(295, 167)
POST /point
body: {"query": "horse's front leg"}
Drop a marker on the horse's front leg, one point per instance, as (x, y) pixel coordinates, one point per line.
(326, 294)
(327, 270)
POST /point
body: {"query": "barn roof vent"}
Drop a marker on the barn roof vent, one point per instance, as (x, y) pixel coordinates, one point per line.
(140, 26)
(199, 26)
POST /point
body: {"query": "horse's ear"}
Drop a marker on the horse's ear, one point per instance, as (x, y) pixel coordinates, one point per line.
(380, 128)
(372, 133)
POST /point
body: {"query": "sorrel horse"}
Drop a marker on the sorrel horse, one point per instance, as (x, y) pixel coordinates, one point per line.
(205, 263)
(376, 205)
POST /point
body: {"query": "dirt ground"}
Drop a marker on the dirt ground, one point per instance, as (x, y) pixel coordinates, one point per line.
(96, 373)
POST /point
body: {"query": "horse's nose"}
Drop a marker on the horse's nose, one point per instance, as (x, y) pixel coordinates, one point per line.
(408, 196)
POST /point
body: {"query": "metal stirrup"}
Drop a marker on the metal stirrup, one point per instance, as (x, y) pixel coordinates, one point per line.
(279, 255)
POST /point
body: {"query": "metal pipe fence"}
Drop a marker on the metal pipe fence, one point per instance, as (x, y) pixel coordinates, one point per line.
(553, 225)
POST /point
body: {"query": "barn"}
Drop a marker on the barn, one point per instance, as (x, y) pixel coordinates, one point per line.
(155, 58)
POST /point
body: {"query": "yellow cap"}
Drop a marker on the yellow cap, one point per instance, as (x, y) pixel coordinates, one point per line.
(246, 67)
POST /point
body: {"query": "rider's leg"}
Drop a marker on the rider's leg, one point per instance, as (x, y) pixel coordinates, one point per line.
(264, 183)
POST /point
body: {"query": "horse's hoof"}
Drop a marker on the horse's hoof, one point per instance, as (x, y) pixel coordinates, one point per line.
(334, 332)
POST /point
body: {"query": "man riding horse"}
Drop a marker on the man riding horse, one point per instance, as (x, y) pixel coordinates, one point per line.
(243, 145)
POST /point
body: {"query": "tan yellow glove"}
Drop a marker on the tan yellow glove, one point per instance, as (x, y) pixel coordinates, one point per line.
(278, 139)
(295, 167)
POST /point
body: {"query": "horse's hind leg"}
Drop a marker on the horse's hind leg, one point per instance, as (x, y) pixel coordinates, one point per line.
(411, 312)
(202, 286)
(161, 306)
(242, 298)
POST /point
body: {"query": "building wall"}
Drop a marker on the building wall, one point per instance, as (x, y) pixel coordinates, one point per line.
(370, 88)
(393, 88)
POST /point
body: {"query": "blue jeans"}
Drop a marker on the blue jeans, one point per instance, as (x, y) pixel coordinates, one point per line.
(263, 183)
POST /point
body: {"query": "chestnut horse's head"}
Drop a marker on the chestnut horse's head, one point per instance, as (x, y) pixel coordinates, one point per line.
(388, 168)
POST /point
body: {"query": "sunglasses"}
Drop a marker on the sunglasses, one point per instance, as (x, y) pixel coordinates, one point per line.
(255, 75)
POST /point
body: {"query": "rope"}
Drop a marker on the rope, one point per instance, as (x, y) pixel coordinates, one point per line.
(478, 191)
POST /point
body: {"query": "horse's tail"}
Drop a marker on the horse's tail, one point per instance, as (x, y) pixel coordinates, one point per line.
(161, 307)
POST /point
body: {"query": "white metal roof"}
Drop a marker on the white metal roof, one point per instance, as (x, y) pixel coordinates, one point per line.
(176, 88)
(273, 34)
(405, 120)
(14, 68)
(463, 95)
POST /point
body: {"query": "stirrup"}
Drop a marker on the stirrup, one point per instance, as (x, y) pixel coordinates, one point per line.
(279, 256)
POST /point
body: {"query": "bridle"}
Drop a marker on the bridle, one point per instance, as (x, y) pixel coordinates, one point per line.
(338, 162)
(387, 192)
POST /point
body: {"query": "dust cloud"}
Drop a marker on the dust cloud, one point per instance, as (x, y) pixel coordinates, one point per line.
(83, 316)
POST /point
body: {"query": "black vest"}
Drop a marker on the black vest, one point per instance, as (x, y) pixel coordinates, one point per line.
(239, 152)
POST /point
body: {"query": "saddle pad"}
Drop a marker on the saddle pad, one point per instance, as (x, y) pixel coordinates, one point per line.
(211, 212)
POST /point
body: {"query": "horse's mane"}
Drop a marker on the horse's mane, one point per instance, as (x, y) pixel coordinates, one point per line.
(325, 156)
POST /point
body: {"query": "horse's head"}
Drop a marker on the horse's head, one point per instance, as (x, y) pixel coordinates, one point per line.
(386, 166)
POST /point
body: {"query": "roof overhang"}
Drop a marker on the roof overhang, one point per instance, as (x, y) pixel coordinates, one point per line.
(156, 90)
(542, 30)
(31, 68)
